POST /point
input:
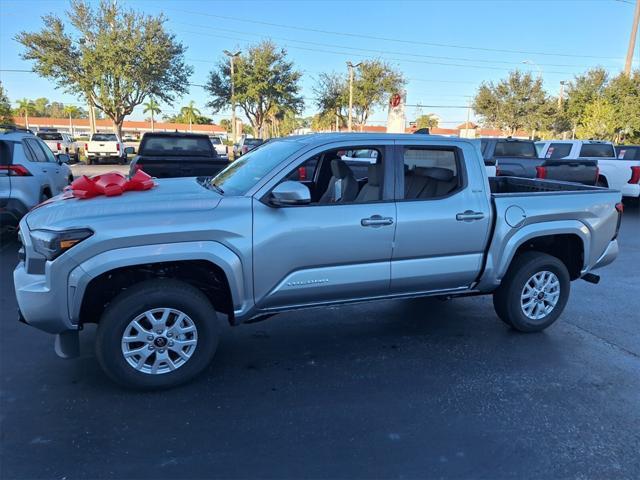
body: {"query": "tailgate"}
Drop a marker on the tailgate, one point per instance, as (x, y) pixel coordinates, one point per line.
(180, 167)
(577, 171)
(103, 147)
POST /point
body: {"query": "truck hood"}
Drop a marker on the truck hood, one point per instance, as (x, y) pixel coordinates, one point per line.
(171, 196)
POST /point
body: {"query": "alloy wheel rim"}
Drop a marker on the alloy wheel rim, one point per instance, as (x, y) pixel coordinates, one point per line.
(159, 341)
(540, 295)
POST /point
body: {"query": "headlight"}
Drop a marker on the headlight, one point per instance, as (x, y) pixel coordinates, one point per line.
(52, 244)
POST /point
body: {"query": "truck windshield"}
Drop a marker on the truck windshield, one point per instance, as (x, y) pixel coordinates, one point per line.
(515, 149)
(239, 177)
(104, 137)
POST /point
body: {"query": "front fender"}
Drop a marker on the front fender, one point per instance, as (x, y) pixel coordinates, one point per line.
(213, 252)
(506, 243)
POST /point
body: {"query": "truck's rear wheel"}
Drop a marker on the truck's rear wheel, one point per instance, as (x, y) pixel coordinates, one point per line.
(533, 293)
(157, 334)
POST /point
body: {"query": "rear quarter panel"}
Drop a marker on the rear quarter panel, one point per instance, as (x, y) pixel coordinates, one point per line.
(590, 215)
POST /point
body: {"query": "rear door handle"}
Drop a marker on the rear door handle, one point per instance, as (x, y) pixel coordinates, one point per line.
(469, 216)
(376, 221)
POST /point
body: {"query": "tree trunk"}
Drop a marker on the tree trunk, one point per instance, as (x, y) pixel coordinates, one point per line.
(152, 125)
(117, 125)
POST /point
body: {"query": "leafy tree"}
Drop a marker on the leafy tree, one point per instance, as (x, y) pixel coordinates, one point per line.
(427, 121)
(332, 100)
(599, 121)
(115, 58)
(583, 90)
(324, 121)
(152, 107)
(623, 93)
(514, 103)
(263, 80)
(373, 83)
(6, 117)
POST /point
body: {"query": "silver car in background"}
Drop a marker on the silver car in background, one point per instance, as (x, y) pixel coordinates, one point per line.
(29, 174)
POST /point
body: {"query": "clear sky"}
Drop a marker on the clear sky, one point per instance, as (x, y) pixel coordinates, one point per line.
(444, 48)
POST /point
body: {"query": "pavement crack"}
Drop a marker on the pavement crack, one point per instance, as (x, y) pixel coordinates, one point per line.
(604, 340)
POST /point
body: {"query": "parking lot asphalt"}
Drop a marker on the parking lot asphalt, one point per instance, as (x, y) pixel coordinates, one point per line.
(394, 389)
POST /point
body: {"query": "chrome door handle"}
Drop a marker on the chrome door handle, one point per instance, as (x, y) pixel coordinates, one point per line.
(376, 221)
(469, 216)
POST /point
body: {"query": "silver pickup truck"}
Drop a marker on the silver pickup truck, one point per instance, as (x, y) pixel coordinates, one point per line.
(290, 225)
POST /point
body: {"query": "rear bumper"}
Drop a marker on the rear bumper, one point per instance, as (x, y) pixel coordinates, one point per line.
(631, 190)
(609, 255)
(11, 211)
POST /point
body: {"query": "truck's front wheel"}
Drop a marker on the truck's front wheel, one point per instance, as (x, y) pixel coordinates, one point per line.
(157, 334)
(533, 293)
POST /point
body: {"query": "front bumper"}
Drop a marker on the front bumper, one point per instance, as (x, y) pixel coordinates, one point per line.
(40, 305)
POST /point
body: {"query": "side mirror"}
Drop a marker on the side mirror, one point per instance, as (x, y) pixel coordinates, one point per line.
(290, 193)
(63, 158)
(129, 150)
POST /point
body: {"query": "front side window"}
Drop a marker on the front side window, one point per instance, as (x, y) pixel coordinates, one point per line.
(558, 150)
(430, 173)
(243, 174)
(50, 157)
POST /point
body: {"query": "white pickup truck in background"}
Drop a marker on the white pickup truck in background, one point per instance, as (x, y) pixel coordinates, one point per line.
(616, 173)
(105, 146)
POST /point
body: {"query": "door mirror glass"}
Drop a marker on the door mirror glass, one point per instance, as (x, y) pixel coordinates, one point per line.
(290, 193)
(129, 150)
(63, 158)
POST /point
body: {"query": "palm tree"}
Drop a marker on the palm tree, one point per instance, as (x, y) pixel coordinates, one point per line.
(152, 107)
(71, 111)
(191, 113)
(25, 107)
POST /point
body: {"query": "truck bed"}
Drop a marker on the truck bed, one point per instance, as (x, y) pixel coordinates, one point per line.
(511, 186)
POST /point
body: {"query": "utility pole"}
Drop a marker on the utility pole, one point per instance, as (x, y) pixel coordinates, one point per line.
(561, 95)
(351, 67)
(632, 40)
(232, 56)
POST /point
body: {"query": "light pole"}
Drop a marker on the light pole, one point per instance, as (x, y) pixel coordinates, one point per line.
(351, 67)
(561, 96)
(232, 56)
(632, 40)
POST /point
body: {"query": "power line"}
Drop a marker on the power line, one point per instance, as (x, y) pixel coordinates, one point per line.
(387, 39)
(385, 52)
(399, 60)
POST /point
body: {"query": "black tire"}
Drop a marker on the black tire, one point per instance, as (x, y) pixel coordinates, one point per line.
(602, 183)
(507, 298)
(138, 299)
(44, 196)
(70, 179)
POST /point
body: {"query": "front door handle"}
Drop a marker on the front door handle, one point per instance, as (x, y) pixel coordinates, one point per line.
(376, 221)
(469, 216)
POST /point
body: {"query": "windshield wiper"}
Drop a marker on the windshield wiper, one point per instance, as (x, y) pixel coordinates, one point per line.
(217, 188)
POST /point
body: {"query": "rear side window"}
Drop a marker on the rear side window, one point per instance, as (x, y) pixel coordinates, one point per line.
(628, 153)
(177, 146)
(215, 140)
(430, 173)
(597, 150)
(558, 150)
(515, 149)
(50, 136)
(36, 153)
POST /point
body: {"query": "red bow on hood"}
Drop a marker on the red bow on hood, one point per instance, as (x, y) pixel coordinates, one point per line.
(109, 184)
